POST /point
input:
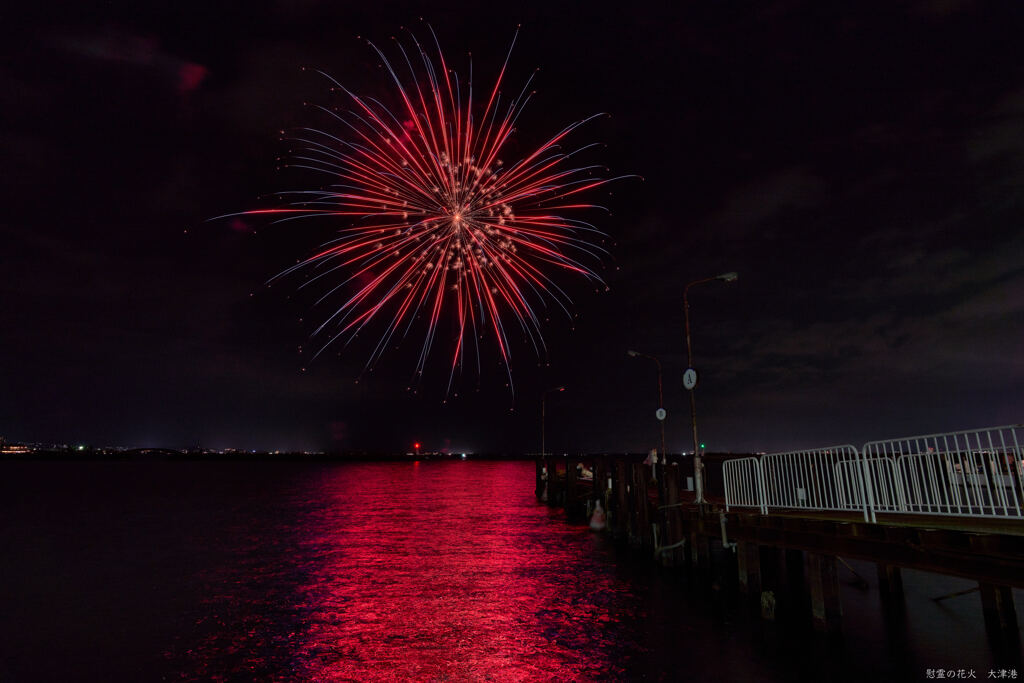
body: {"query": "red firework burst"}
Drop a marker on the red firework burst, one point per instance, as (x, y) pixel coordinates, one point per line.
(436, 224)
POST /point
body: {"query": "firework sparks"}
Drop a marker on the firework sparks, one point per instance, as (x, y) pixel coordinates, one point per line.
(436, 225)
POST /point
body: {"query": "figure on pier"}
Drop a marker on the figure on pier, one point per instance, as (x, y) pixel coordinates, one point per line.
(597, 520)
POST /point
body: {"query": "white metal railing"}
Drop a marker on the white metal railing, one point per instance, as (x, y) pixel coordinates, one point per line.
(818, 479)
(880, 492)
(974, 473)
(744, 485)
(887, 494)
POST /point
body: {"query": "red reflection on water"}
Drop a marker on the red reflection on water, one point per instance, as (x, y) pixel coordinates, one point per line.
(450, 571)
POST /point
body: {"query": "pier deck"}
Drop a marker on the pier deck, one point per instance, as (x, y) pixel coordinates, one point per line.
(651, 510)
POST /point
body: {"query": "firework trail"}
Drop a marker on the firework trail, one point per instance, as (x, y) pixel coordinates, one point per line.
(436, 223)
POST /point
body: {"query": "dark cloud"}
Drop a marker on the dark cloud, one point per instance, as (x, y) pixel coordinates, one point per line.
(767, 199)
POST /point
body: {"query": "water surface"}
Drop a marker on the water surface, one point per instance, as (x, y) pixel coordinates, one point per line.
(431, 571)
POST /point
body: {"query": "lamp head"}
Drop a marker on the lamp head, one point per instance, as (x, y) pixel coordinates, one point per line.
(632, 354)
(728, 277)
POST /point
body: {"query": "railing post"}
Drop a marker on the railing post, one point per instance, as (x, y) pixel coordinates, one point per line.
(728, 482)
(867, 491)
(762, 494)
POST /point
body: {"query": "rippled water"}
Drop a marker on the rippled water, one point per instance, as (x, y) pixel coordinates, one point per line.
(436, 571)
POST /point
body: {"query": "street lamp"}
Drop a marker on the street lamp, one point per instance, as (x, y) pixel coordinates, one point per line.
(690, 382)
(661, 403)
(543, 399)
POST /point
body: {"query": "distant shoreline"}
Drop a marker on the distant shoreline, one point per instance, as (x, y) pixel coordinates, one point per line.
(167, 455)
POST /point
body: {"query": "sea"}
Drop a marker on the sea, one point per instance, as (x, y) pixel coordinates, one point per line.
(432, 570)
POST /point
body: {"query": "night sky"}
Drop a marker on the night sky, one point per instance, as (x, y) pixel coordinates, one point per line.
(860, 165)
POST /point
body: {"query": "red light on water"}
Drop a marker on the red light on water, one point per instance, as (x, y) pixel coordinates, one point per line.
(403, 595)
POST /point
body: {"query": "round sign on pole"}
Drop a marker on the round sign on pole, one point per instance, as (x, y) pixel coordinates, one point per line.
(660, 413)
(690, 378)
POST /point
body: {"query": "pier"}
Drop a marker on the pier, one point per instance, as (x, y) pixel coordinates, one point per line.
(779, 528)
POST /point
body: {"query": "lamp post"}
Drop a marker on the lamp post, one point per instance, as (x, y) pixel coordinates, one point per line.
(661, 403)
(543, 399)
(690, 382)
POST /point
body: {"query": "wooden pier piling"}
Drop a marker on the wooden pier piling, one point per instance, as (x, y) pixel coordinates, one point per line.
(700, 552)
(601, 475)
(573, 502)
(1000, 614)
(890, 586)
(671, 513)
(748, 568)
(823, 581)
(642, 536)
(622, 507)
